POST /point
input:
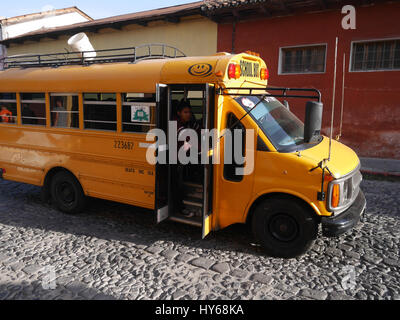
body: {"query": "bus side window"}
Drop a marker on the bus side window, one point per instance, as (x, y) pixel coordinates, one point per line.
(64, 110)
(8, 108)
(33, 107)
(138, 112)
(230, 168)
(100, 111)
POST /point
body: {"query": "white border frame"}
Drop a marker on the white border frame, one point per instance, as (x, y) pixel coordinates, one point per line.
(369, 40)
(301, 46)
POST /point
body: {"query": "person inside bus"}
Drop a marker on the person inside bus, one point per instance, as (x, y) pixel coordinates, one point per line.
(185, 120)
(28, 116)
(61, 117)
(5, 115)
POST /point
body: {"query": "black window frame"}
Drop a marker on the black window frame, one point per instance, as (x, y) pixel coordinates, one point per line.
(6, 101)
(230, 169)
(88, 104)
(33, 100)
(76, 121)
(142, 99)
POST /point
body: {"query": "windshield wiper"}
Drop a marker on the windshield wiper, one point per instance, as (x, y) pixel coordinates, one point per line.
(247, 113)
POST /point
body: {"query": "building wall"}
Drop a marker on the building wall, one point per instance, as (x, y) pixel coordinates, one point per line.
(193, 35)
(372, 99)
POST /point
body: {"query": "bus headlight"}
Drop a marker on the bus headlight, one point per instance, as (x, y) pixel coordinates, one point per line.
(342, 192)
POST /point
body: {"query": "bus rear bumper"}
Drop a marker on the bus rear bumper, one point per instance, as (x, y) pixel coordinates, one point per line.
(337, 225)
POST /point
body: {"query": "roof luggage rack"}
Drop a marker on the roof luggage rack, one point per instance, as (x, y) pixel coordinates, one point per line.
(131, 55)
(282, 92)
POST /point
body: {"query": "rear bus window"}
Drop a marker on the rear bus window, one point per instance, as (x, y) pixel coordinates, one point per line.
(33, 107)
(8, 108)
(64, 110)
(138, 112)
(100, 111)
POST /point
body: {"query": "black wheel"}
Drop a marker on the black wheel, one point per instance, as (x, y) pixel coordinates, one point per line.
(67, 193)
(284, 227)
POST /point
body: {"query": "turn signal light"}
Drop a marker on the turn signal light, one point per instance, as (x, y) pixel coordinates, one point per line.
(335, 196)
(264, 74)
(234, 71)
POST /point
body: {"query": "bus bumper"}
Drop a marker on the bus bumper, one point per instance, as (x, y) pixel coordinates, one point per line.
(337, 225)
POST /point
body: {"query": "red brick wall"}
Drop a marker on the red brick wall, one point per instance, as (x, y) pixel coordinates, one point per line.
(371, 123)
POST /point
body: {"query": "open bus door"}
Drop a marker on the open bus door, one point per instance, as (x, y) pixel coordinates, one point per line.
(165, 177)
(162, 190)
(208, 116)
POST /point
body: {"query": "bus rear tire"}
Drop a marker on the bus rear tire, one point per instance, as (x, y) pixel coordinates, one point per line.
(67, 193)
(284, 227)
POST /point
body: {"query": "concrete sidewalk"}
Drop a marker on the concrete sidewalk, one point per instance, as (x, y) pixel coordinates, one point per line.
(390, 167)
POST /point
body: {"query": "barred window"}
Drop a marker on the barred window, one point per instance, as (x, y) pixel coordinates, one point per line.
(138, 112)
(100, 111)
(33, 109)
(376, 55)
(64, 108)
(308, 59)
(8, 108)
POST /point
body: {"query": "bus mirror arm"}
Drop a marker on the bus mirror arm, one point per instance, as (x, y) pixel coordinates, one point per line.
(321, 196)
(286, 104)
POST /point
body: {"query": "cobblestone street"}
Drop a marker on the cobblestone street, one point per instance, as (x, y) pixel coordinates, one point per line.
(114, 251)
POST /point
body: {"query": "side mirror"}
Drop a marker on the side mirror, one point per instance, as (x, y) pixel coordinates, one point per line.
(313, 121)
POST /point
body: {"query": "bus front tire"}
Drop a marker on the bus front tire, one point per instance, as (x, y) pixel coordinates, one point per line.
(67, 193)
(284, 227)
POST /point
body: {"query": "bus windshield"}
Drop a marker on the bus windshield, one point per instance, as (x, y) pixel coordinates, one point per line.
(282, 127)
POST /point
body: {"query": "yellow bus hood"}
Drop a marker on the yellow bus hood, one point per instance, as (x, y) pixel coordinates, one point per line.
(343, 159)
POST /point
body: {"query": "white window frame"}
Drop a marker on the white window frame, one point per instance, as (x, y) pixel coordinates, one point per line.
(280, 73)
(364, 41)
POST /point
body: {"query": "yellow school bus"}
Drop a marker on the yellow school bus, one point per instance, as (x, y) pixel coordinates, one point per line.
(79, 128)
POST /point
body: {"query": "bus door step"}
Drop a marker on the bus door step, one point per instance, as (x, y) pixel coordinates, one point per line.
(189, 202)
(193, 190)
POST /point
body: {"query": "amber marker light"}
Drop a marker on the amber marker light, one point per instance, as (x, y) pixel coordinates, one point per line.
(335, 196)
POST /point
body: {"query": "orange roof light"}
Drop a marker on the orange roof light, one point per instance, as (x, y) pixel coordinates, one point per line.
(252, 53)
